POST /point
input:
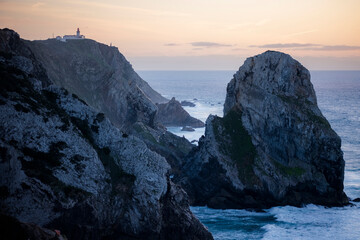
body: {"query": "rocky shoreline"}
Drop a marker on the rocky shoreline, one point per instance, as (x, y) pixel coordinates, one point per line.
(84, 147)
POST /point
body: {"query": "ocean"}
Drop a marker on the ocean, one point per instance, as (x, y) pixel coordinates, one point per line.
(338, 95)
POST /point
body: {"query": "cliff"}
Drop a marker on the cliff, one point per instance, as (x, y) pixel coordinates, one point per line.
(66, 166)
(101, 76)
(272, 147)
(104, 79)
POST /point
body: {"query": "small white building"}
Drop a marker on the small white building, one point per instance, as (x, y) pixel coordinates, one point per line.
(78, 36)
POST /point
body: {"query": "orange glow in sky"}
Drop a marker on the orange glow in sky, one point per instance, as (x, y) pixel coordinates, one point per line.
(200, 34)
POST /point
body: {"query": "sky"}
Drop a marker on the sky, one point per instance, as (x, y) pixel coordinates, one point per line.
(200, 34)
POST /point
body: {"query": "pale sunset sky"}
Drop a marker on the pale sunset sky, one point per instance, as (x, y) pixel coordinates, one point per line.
(200, 34)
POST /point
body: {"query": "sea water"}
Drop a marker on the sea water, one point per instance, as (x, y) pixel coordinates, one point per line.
(338, 95)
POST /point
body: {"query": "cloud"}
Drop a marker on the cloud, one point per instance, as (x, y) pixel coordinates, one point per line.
(209, 44)
(171, 44)
(308, 46)
(301, 33)
(38, 5)
(285, 45)
(232, 62)
(334, 48)
(125, 8)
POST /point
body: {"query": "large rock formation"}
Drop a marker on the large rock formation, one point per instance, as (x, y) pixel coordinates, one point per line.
(101, 76)
(104, 79)
(272, 147)
(173, 114)
(65, 166)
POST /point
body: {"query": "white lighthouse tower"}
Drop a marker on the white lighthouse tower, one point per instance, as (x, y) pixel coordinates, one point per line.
(71, 37)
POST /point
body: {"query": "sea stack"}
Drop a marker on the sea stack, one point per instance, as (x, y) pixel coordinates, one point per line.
(272, 147)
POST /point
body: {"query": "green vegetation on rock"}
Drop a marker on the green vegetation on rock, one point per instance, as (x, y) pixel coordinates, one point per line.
(235, 142)
(290, 171)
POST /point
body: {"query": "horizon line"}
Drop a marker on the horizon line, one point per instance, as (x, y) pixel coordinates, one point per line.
(218, 70)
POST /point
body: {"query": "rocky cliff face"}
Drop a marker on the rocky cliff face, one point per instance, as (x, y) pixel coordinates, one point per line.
(272, 147)
(65, 166)
(173, 114)
(101, 76)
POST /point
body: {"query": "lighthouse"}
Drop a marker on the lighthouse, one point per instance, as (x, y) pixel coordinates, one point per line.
(71, 37)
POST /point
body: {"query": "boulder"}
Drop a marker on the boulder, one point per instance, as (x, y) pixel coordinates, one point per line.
(272, 147)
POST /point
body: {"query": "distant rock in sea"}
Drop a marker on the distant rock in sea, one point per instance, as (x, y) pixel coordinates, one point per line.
(65, 166)
(173, 114)
(188, 129)
(272, 147)
(187, 104)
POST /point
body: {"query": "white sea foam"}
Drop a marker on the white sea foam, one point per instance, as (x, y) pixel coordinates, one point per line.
(314, 222)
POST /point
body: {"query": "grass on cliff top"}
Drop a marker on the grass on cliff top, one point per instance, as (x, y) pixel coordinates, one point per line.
(234, 141)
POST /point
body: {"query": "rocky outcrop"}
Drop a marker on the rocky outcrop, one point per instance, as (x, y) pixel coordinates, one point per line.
(65, 166)
(173, 148)
(187, 104)
(173, 114)
(272, 147)
(101, 76)
(16, 53)
(187, 129)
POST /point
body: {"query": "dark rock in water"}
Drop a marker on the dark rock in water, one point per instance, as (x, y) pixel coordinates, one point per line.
(272, 147)
(187, 104)
(188, 129)
(66, 166)
(172, 114)
(356, 200)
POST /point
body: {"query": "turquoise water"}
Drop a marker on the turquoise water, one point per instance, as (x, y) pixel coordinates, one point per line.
(338, 94)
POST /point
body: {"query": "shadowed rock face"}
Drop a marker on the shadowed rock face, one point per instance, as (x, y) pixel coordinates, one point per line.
(65, 166)
(272, 147)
